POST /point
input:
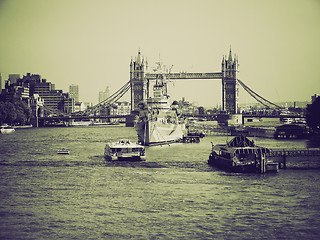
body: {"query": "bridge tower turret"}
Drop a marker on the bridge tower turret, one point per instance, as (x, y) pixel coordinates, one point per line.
(229, 84)
(138, 82)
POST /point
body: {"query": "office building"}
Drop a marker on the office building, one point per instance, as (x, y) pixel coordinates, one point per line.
(74, 92)
(13, 78)
(104, 95)
(28, 85)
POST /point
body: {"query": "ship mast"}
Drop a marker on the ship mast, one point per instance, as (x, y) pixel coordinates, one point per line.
(160, 87)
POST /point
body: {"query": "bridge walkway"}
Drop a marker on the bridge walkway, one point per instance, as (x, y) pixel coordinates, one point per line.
(302, 158)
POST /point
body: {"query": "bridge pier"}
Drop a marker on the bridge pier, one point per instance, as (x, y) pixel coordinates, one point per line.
(36, 122)
(130, 119)
(230, 119)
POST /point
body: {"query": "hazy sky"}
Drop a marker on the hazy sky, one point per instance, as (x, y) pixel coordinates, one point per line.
(90, 43)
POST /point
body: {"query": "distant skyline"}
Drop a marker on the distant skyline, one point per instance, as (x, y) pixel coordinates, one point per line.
(90, 43)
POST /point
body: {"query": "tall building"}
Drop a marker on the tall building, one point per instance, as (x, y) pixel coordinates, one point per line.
(138, 83)
(13, 78)
(74, 92)
(229, 85)
(29, 85)
(104, 95)
(15, 90)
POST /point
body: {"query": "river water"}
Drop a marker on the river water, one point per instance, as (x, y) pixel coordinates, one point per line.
(173, 195)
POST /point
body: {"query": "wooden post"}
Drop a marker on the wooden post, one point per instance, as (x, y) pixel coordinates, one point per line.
(284, 160)
(263, 167)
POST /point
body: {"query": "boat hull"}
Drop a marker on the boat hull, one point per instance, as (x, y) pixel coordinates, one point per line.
(7, 130)
(125, 158)
(253, 166)
(63, 152)
(228, 165)
(157, 133)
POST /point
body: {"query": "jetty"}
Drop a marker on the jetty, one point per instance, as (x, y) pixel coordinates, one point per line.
(300, 158)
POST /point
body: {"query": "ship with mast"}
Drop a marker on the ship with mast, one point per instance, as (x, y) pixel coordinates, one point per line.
(157, 120)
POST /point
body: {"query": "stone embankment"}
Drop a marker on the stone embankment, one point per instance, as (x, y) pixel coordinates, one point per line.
(209, 128)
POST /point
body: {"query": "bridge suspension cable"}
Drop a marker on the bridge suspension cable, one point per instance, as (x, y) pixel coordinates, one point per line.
(117, 95)
(256, 96)
(53, 111)
(112, 99)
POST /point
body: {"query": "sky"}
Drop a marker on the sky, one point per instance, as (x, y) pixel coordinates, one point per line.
(90, 43)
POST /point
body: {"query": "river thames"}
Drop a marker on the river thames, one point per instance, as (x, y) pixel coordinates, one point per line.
(173, 195)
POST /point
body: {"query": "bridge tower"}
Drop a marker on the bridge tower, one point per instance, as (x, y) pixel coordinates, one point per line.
(138, 83)
(229, 85)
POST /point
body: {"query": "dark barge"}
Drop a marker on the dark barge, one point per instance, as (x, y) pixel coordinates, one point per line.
(242, 155)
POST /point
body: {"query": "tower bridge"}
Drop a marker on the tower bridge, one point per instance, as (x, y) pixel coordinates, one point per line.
(139, 83)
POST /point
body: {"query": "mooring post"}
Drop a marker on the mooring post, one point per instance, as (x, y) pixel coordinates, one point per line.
(263, 167)
(284, 159)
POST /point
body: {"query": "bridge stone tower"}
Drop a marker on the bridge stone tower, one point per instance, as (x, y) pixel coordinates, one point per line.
(138, 82)
(229, 85)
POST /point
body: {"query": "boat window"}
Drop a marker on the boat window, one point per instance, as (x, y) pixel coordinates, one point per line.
(113, 150)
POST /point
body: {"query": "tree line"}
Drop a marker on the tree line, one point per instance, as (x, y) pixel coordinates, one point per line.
(15, 113)
(313, 116)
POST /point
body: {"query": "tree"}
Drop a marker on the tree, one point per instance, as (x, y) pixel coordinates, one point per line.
(313, 116)
(201, 110)
(11, 113)
(17, 112)
(23, 112)
(3, 112)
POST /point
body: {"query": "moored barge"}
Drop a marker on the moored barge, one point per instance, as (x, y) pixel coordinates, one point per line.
(242, 155)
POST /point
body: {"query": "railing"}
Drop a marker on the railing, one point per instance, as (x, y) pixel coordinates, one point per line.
(184, 75)
(267, 115)
(296, 152)
(66, 118)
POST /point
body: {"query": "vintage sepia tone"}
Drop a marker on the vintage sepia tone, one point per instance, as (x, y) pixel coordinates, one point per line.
(159, 119)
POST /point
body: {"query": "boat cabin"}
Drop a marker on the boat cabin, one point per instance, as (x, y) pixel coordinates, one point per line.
(241, 154)
(124, 150)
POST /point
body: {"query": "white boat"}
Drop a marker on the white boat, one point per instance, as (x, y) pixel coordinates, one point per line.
(6, 129)
(124, 150)
(80, 124)
(63, 151)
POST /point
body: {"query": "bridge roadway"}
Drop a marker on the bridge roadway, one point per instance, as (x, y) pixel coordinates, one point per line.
(184, 75)
(271, 116)
(245, 116)
(68, 118)
(208, 117)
